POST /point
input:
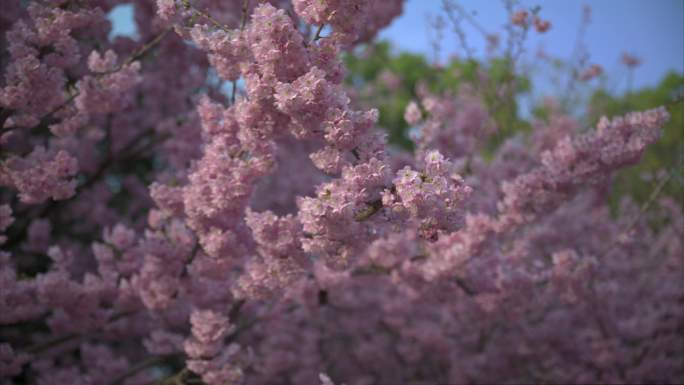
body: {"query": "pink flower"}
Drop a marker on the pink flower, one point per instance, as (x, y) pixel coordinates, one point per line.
(541, 25)
(630, 61)
(592, 72)
(519, 18)
(413, 115)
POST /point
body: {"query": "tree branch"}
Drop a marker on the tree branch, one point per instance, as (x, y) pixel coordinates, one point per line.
(150, 362)
(45, 119)
(317, 36)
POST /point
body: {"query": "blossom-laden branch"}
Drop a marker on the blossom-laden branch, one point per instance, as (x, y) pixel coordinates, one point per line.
(47, 118)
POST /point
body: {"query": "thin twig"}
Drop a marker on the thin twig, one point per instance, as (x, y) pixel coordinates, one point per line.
(468, 18)
(448, 7)
(644, 208)
(216, 23)
(233, 92)
(243, 18)
(464, 286)
(235, 309)
(243, 23)
(370, 210)
(4, 114)
(675, 101)
(651, 199)
(150, 362)
(142, 51)
(175, 378)
(45, 345)
(317, 36)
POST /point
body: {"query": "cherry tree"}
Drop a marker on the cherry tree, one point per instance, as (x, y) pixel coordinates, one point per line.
(208, 203)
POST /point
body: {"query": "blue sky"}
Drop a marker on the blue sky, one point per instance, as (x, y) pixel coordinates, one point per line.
(653, 30)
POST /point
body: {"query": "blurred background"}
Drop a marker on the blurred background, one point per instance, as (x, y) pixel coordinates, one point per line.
(652, 30)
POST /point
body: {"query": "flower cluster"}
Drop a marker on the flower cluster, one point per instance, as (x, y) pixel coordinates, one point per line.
(576, 162)
(207, 353)
(436, 197)
(41, 175)
(350, 20)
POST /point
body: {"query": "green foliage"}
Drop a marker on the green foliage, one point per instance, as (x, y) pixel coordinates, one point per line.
(366, 71)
